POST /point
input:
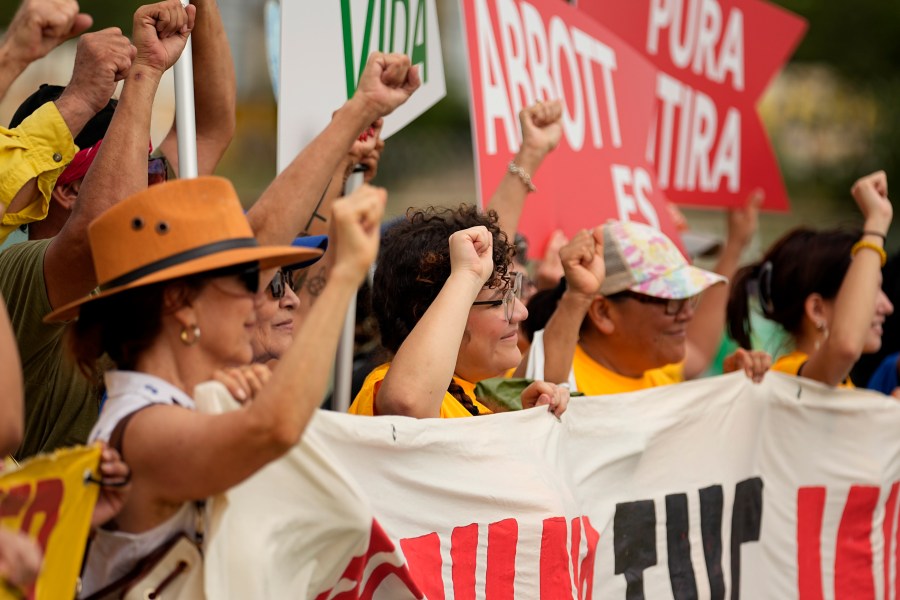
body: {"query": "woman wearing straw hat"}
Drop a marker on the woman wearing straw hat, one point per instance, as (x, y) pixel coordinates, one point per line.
(179, 273)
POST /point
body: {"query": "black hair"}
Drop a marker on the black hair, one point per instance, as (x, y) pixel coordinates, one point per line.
(803, 262)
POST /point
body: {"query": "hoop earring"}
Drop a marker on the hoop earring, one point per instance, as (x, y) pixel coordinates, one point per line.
(189, 336)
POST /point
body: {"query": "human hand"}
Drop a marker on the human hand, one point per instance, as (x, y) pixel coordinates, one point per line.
(754, 363)
(472, 254)
(366, 150)
(161, 31)
(355, 227)
(244, 382)
(39, 26)
(871, 195)
(543, 393)
(550, 270)
(541, 126)
(20, 560)
(101, 59)
(387, 81)
(582, 261)
(115, 485)
(744, 221)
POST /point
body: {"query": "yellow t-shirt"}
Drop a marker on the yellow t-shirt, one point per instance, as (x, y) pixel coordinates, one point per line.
(364, 403)
(792, 363)
(593, 379)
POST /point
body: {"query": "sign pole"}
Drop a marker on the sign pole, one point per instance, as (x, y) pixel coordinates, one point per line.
(185, 121)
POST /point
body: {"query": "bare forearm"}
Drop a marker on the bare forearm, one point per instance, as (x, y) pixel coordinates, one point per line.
(509, 198)
(10, 69)
(284, 208)
(561, 335)
(423, 366)
(12, 410)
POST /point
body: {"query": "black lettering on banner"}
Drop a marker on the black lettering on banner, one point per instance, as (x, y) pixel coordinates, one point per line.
(711, 501)
(634, 544)
(681, 571)
(746, 520)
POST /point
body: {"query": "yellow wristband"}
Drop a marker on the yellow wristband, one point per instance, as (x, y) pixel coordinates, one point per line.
(864, 244)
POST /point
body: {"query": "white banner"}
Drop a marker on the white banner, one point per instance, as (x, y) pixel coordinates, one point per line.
(324, 47)
(711, 489)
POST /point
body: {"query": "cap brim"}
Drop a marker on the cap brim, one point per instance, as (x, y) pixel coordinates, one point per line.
(309, 241)
(700, 244)
(683, 282)
(268, 257)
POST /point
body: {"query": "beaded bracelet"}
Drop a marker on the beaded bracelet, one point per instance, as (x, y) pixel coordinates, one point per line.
(521, 174)
(863, 244)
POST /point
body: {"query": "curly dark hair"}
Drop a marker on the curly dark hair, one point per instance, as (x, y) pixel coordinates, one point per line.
(803, 262)
(414, 263)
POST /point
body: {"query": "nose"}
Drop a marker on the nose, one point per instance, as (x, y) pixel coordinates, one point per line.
(290, 300)
(884, 304)
(520, 312)
(686, 313)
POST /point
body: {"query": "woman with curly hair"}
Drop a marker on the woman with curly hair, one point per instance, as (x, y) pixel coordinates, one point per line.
(449, 308)
(824, 289)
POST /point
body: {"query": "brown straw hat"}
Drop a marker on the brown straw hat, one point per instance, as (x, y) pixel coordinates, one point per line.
(173, 230)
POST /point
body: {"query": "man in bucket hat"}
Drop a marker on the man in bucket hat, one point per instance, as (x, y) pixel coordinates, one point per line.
(627, 320)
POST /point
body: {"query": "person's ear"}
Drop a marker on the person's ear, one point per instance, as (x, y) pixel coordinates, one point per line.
(65, 195)
(815, 310)
(601, 315)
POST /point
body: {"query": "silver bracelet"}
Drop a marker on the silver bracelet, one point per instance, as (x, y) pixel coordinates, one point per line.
(521, 174)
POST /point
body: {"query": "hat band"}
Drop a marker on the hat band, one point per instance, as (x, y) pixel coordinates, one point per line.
(179, 258)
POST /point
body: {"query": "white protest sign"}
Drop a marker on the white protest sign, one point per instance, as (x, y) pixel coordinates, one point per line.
(324, 47)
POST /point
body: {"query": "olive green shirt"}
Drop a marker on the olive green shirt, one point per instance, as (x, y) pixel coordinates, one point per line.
(61, 405)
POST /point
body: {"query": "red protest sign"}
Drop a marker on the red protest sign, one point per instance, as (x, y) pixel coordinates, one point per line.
(716, 58)
(521, 52)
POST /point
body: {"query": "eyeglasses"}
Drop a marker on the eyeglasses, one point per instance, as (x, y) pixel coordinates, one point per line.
(157, 171)
(510, 295)
(278, 286)
(673, 306)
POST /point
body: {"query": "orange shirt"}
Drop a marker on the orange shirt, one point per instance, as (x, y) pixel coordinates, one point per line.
(593, 379)
(793, 362)
(364, 403)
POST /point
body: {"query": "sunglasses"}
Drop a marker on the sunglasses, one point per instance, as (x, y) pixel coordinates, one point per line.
(157, 171)
(278, 286)
(510, 295)
(673, 306)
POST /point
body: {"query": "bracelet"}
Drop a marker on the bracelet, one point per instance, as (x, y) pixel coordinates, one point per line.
(876, 234)
(863, 244)
(521, 174)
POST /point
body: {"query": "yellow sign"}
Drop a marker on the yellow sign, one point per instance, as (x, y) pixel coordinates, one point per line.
(48, 498)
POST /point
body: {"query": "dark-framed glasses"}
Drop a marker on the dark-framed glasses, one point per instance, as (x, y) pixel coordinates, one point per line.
(510, 295)
(673, 306)
(283, 279)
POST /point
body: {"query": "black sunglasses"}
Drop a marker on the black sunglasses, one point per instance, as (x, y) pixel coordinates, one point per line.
(283, 279)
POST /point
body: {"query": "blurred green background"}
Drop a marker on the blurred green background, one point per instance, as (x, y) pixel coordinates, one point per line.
(830, 114)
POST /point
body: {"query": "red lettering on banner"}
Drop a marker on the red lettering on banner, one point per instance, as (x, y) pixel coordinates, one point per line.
(584, 576)
(555, 582)
(463, 549)
(14, 500)
(853, 577)
(380, 545)
(503, 537)
(47, 500)
(887, 531)
(424, 557)
(810, 510)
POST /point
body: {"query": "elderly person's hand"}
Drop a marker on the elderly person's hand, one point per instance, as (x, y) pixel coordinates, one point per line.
(20, 560)
(39, 26)
(387, 81)
(244, 382)
(582, 261)
(754, 363)
(102, 59)
(115, 485)
(161, 31)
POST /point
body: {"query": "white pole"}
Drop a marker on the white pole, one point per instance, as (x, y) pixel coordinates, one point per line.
(343, 367)
(185, 122)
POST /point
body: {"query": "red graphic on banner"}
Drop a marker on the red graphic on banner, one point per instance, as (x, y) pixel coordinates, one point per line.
(716, 58)
(521, 52)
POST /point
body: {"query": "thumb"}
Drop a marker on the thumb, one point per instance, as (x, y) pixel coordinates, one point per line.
(82, 23)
